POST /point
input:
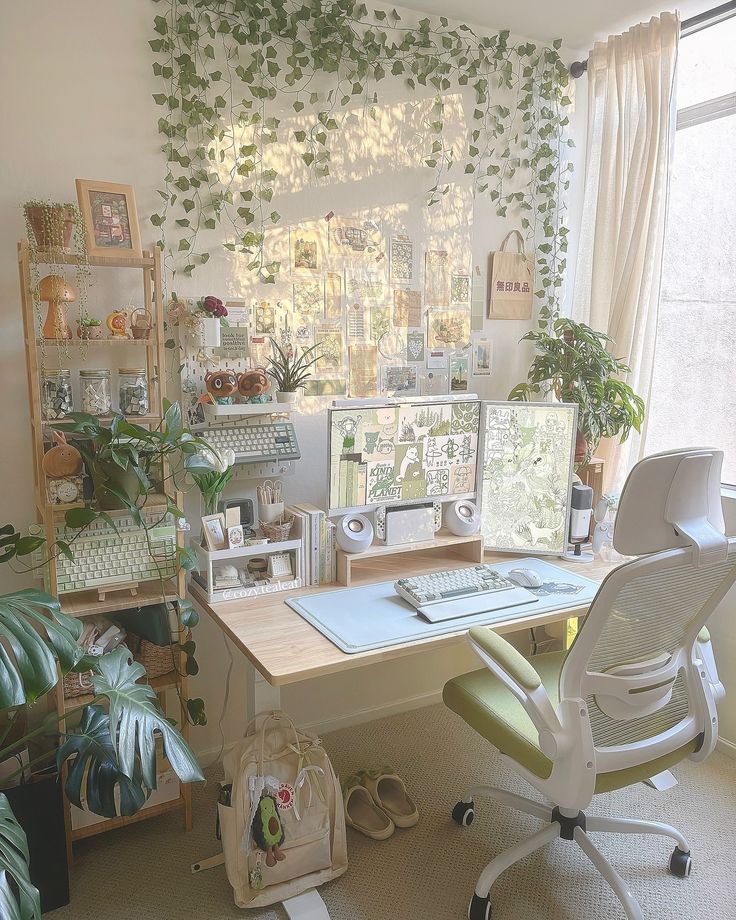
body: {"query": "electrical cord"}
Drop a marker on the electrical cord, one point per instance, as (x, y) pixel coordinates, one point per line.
(226, 697)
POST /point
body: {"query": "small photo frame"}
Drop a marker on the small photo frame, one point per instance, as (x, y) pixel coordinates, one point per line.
(110, 217)
(215, 534)
(235, 536)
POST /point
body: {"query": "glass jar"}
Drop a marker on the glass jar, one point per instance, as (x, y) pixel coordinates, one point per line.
(56, 394)
(95, 389)
(133, 385)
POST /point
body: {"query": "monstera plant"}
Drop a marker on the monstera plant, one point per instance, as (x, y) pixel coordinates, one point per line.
(114, 743)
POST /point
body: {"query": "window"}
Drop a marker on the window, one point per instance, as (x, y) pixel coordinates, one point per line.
(693, 398)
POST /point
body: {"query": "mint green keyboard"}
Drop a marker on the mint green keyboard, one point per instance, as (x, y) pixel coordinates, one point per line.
(103, 557)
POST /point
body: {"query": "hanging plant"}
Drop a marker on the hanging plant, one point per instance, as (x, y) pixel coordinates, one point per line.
(230, 69)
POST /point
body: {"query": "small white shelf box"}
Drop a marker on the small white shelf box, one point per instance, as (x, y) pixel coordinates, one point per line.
(209, 558)
(215, 412)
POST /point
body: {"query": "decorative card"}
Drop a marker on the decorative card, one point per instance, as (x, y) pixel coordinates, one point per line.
(399, 380)
(460, 289)
(333, 297)
(380, 321)
(308, 299)
(402, 260)
(306, 246)
(364, 286)
(356, 320)
(482, 357)
(265, 318)
(407, 307)
(392, 346)
(355, 236)
(437, 359)
(458, 373)
(414, 345)
(363, 372)
(436, 278)
(448, 328)
(330, 344)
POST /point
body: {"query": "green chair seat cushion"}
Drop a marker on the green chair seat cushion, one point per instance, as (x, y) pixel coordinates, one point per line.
(494, 712)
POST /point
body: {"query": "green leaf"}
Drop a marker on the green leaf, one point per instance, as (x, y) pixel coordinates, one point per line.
(187, 614)
(136, 717)
(19, 900)
(80, 517)
(195, 708)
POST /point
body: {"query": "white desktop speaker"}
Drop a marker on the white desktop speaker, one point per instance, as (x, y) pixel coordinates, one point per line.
(462, 518)
(354, 533)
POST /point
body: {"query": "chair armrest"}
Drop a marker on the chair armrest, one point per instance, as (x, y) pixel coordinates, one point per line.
(520, 677)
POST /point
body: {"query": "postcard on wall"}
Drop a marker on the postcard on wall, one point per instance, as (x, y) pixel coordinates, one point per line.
(329, 348)
(437, 359)
(333, 386)
(364, 286)
(458, 373)
(380, 321)
(260, 350)
(237, 312)
(363, 379)
(415, 345)
(482, 357)
(355, 236)
(265, 323)
(308, 299)
(306, 244)
(333, 297)
(402, 260)
(448, 328)
(302, 333)
(407, 307)
(436, 278)
(434, 383)
(356, 320)
(399, 380)
(233, 342)
(460, 289)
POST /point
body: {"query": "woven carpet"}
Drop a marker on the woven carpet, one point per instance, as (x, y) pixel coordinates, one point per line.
(428, 872)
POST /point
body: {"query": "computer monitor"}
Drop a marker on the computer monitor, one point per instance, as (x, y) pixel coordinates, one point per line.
(401, 451)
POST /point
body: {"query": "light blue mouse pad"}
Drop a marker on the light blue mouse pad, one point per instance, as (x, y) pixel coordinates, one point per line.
(374, 616)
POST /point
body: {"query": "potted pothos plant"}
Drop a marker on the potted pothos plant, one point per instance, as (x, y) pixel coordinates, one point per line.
(112, 747)
(575, 366)
(290, 370)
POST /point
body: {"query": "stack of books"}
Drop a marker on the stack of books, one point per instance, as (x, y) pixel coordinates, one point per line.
(318, 538)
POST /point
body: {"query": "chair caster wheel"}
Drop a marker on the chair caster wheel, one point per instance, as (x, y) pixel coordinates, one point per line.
(463, 813)
(680, 863)
(479, 908)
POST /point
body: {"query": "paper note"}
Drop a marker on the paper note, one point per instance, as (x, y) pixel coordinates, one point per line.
(407, 307)
(333, 297)
(364, 286)
(356, 320)
(308, 299)
(436, 278)
(363, 377)
(233, 342)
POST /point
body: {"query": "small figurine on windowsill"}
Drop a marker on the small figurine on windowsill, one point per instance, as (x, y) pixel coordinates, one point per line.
(117, 323)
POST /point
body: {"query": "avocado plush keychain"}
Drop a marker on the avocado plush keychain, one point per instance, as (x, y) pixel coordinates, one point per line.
(268, 832)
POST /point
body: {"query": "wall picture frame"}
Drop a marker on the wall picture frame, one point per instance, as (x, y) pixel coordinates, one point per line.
(215, 532)
(110, 217)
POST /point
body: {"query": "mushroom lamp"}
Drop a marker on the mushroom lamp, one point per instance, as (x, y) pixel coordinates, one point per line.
(57, 291)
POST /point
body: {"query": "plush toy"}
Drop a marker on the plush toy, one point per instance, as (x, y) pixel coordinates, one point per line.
(62, 460)
(253, 385)
(222, 385)
(268, 832)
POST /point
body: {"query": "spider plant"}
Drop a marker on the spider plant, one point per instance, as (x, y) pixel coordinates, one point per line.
(290, 370)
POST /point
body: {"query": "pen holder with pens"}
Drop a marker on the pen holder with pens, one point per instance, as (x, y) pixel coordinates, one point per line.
(271, 507)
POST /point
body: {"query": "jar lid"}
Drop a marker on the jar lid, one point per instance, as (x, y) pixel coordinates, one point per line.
(61, 372)
(133, 371)
(102, 372)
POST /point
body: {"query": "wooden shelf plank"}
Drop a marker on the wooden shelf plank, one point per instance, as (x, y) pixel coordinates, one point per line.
(114, 260)
(163, 682)
(110, 824)
(61, 344)
(156, 502)
(87, 603)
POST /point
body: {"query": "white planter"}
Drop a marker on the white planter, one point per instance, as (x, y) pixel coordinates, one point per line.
(284, 397)
(270, 513)
(210, 331)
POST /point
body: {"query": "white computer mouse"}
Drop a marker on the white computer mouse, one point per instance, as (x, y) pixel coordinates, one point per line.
(525, 578)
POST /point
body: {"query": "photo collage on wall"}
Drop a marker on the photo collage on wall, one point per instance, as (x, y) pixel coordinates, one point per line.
(403, 453)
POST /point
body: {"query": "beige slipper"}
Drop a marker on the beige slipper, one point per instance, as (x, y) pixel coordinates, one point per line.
(362, 814)
(388, 791)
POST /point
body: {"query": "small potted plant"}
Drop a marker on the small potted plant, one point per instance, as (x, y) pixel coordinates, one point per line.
(204, 320)
(574, 366)
(51, 223)
(88, 327)
(290, 371)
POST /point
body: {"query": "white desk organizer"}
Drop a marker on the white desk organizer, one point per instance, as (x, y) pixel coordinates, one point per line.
(207, 558)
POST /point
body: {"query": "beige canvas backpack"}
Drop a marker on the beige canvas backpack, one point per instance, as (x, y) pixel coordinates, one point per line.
(282, 780)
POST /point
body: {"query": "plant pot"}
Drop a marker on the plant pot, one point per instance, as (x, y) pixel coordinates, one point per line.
(39, 808)
(52, 225)
(89, 332)
(581, 447)
(284, 396)
(210, 332)
(125, 481)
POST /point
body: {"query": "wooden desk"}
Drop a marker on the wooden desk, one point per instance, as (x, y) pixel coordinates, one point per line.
(285, 649)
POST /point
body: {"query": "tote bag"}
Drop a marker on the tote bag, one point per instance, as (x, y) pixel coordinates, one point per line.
(511, 281)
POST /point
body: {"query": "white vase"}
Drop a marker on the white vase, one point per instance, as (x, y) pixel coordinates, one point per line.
(210, 331)
(283, 396)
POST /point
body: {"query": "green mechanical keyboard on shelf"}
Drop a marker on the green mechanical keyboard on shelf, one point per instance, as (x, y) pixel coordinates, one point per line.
(105, 557)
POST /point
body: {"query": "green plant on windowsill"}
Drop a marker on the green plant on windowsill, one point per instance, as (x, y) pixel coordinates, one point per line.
(289, 370)
(574, 366)
(114, 745)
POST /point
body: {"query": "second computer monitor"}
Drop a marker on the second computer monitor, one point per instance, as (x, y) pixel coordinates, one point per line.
(391, 454)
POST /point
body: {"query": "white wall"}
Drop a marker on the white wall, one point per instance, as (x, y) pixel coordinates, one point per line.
(77, 104)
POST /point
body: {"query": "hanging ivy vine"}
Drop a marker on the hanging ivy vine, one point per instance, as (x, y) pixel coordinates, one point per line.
(231, 69)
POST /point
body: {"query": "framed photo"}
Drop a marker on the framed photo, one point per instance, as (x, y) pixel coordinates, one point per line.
(215, 534)
(110, 217)
(235, 536)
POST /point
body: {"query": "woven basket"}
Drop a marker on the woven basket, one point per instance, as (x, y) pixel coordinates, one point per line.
(277, 532)
(78, 685)
(156, 659)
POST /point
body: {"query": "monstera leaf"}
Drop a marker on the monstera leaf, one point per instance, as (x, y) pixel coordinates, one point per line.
(14, 876)
(29, 656)
(135, 718)
(94, 771)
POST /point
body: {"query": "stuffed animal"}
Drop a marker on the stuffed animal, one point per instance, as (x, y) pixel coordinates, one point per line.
(253, 385)
(62, 460)
(222, 385)
(268, 831)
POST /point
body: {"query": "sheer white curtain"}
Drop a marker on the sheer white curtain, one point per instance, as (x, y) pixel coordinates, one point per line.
(631, 121)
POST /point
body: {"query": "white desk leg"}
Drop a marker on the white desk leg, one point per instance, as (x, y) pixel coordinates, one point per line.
(662, 781)
(307, 906)
(260, 694)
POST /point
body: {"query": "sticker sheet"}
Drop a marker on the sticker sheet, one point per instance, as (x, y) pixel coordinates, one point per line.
(402, 260)
(527, 473)
(401, 453)
(436, 278)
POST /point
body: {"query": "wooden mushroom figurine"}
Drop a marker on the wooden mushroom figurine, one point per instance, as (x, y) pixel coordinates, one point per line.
(57, 291)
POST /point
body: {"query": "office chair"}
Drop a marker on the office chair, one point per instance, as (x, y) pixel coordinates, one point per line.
(637, 691)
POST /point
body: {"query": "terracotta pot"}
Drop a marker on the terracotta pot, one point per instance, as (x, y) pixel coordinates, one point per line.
(89, 332)
(581, 447)
(61, 222)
